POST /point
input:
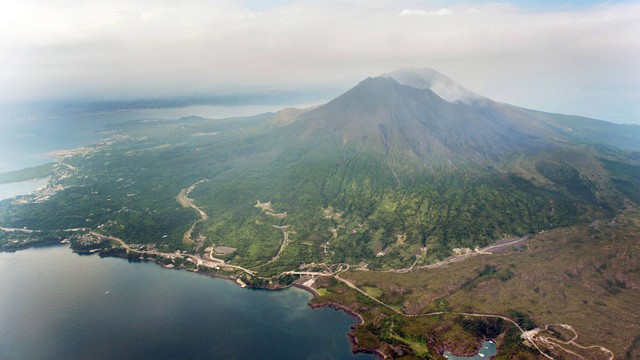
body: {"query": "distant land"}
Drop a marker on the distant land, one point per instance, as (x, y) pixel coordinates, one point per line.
(436, 216)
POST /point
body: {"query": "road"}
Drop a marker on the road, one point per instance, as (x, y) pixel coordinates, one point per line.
(499, 245)
(530, 336)
(477, 251)
(184, 200)
(285, 242)
(197, 259)
(558, 343)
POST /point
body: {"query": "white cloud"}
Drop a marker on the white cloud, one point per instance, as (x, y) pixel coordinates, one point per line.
(423, 12)
(559, 61)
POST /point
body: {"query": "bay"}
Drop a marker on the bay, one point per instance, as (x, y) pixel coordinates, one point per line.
(487, 351)
(55, 304)
(11, 190)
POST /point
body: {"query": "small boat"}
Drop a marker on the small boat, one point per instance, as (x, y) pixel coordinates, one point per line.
(481, 355)
(107, 293)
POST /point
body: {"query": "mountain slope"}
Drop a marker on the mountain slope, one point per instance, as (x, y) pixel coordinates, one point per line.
(384, 117)
(411, 129)
(393, 172)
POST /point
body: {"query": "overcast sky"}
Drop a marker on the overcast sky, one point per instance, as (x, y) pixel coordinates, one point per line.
(576, 57)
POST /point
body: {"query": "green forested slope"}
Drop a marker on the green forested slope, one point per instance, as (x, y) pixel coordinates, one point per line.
(380, 175)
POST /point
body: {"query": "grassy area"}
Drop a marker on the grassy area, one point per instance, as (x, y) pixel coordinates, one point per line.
(418, 347)
(584, 276)
(416, 337)
(373, 291)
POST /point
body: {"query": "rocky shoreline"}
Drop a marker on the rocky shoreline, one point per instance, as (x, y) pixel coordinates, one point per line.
(355, 348)
(299, 283)
(351, 334)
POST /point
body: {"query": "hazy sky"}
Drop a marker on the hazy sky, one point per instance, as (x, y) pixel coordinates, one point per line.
(577, 57)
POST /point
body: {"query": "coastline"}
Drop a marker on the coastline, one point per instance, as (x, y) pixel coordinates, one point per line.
(353, 340)
(22, 188)
(340, 307)
(308, 289)
(314, 293)
(118, 253)
(351, 334)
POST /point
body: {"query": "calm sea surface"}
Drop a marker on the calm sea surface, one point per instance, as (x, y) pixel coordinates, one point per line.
(55, 304)
(10, 190)
(487, 350)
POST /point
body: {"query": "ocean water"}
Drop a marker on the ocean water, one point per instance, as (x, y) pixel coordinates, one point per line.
(10, 190)
(55, 304)
(487, 351)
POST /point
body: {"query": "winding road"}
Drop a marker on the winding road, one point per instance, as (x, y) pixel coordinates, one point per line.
(285, 242)
(184, 200)
(530, 336)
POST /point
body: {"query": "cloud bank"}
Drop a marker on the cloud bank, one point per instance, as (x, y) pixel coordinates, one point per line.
(581, 60)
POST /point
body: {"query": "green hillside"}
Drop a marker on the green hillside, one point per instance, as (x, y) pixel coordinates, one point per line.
(381, 175)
